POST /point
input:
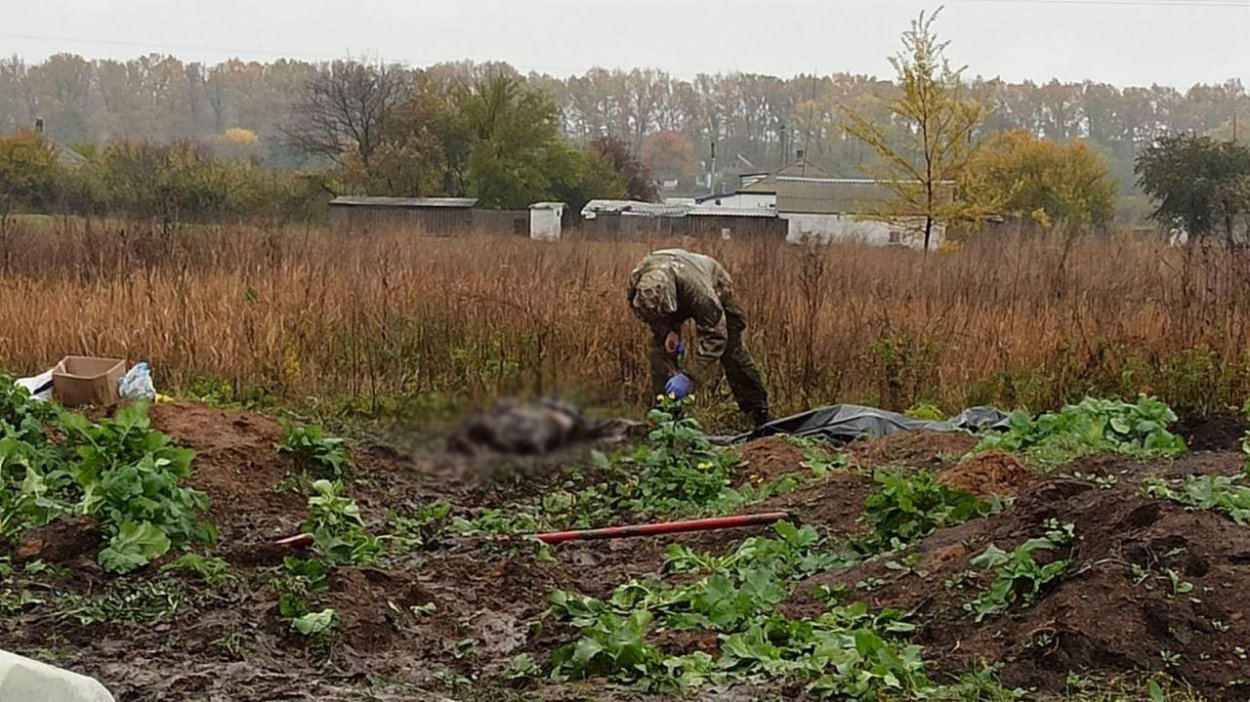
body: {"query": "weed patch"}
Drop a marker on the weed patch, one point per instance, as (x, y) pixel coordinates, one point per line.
(1226, 495)
(912, 506)
(1093, 426)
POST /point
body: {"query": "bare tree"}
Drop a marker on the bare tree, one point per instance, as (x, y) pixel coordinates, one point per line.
(342, 112)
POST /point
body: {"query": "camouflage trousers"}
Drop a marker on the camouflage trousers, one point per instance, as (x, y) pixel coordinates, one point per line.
(743, 375)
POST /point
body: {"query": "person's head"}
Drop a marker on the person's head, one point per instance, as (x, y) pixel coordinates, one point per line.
(655, 296)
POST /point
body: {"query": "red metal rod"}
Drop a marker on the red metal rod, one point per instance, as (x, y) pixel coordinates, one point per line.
(620, 532)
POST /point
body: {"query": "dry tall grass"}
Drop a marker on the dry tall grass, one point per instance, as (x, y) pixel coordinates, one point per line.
(308, 314)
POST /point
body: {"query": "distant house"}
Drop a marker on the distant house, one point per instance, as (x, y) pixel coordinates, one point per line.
(627, 220)
(760, 189)
(65, 156)
(832, 209)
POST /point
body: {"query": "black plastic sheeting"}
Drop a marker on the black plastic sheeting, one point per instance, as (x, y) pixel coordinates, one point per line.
(846, 423)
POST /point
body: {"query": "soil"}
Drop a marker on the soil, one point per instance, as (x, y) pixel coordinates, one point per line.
(1098, 620)
(990, 473)
(489, 596)
(64, 539)
(916, 449)
(1222, 431)
(770, 457)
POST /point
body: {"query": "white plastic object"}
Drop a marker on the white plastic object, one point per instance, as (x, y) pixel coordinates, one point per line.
(137, 384)
(39, 386)
(26, 679)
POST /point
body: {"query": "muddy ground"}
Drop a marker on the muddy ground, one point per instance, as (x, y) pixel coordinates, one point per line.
(228, 643)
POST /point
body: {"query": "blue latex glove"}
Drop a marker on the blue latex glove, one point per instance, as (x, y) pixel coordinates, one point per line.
(681, 350)
(679, 386)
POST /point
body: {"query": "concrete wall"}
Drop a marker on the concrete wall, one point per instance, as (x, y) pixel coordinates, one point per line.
(845, 228)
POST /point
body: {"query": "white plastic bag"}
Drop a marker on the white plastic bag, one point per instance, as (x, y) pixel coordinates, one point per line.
(39, 386)
(137, 384)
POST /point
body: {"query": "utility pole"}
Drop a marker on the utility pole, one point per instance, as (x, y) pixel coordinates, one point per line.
(785, 149)
(711, 178)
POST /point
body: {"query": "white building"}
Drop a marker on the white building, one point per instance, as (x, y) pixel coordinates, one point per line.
(831, 209)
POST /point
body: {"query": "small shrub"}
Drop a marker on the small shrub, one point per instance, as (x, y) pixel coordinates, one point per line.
(1017, 576)
(910, 507)
(324, 458)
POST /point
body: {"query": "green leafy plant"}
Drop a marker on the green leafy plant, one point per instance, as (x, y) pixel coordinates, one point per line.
(845, 653)
(1226, 495)
(133, 546)
(926, 411)
(611, 645)
(212, 570)
(118, 470)
(335, 523)
(299, 582)
(422, 529)
(1092, 426)
(910, 507)
(1017, 575)
(323, 457)
(318, 626)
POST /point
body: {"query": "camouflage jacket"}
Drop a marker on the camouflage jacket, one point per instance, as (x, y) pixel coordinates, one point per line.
(697, 283)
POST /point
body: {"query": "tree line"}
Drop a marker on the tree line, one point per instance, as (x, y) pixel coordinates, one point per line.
(371, 130)
(758, 121)
(944, 145)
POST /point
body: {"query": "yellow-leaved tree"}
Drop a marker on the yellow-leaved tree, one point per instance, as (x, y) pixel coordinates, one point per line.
(1063, 187)
(926, 146)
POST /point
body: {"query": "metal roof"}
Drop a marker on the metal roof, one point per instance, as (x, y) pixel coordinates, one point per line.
(767, 184)
(852, 181)
(720, 211)
(414, 202)
(632, 207)
(651, 209)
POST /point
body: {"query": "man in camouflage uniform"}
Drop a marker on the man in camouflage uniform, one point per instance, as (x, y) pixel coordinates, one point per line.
(673, 285)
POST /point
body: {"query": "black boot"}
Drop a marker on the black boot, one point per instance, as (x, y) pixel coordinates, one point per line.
(761, 417)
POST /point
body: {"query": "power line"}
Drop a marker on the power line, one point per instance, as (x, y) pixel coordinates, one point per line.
(1132, 3)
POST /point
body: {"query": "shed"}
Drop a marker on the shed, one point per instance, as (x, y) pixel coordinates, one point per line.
(739, 223)
(436, 215)
(545, 220)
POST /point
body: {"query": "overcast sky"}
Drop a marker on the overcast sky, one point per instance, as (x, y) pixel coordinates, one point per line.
(1138, 42)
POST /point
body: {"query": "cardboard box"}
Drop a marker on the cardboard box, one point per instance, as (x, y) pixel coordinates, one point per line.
(84, 380)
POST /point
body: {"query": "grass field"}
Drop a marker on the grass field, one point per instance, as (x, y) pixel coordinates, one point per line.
(397, 321)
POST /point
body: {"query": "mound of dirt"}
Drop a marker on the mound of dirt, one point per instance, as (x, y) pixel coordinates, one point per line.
(1223, 431)
(990, 473)
(1186, 615)
(238, 466)
(770, 457)
(834, 504)
(60, 541)
(914, 449)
